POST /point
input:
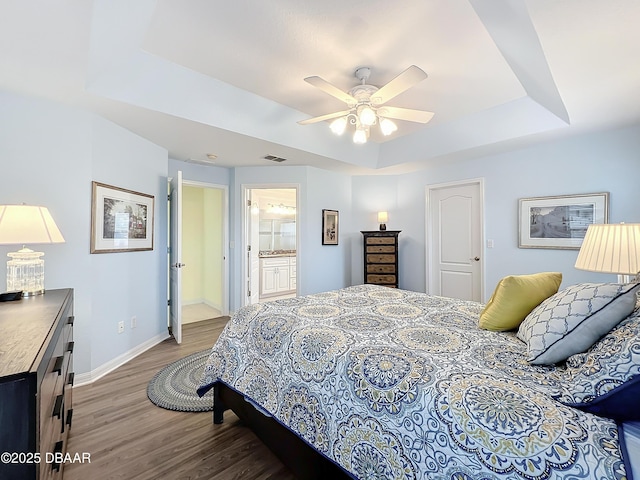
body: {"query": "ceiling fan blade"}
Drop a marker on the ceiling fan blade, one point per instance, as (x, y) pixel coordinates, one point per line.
(331, 90)
(420, 116)
(322, 118)
(402, 82)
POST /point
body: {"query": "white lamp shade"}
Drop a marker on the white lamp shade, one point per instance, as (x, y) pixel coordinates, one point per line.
(611, 248)
(383, 217)
(26, 224)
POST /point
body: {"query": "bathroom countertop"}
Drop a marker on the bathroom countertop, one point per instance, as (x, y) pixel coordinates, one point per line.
(276, 253)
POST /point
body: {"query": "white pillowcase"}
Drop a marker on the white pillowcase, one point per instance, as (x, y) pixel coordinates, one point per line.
(573, 319)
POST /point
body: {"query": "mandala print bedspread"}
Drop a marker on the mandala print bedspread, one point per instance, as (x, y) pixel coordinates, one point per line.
(393, 384)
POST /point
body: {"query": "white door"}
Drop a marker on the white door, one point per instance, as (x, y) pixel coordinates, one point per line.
(454, 240)
(175, 257)
(252, 246)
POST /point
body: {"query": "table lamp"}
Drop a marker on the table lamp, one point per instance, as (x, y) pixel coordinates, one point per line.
(26, 224)
(611, 248)
(383, 218)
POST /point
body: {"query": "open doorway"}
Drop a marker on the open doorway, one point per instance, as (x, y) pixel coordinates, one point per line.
(203, 252)
(271, 233)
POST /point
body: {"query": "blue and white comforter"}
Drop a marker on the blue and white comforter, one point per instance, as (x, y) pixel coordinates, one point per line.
(392, 384)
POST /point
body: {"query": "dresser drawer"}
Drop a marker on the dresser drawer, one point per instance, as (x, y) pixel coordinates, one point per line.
(381, 249)
(381, 279)
(380, 240)
(381, 268)
(381, 258)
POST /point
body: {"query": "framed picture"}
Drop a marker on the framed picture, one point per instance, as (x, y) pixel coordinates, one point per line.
(560, 222)
(121, 220)
(329, 227)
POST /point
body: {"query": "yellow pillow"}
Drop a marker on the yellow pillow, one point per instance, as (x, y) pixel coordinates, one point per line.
(514, 298)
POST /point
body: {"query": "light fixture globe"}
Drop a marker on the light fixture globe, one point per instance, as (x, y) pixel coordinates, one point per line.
(339, 125)
(387, 127)
(366, 115)
(360, 136)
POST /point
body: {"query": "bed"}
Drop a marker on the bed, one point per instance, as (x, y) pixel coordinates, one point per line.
(371, 382)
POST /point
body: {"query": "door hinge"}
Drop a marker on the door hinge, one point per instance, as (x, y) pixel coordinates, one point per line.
(168, 303)
(248, 203)
(169, 198)
(248, 248)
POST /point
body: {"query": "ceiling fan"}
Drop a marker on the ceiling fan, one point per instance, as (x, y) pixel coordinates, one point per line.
(366, 104)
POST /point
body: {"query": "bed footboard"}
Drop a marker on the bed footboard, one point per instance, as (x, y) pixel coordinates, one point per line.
(297, 455)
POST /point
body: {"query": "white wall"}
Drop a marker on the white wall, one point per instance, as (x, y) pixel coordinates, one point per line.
(598, 162)
(49, 155)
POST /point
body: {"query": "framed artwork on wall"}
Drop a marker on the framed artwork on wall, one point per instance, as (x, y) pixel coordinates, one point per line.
(329, 227)
(121, 220)
(560, 221)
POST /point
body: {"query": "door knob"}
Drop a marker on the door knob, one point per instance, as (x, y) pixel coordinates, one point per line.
(178, 265)
(477, 259)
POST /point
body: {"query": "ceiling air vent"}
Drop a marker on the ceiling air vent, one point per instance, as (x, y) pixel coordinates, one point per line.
(273, 158)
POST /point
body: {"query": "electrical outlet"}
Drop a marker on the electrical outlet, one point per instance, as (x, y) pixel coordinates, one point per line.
(134, 321)
(120, 327)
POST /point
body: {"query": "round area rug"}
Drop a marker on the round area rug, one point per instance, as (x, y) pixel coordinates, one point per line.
(174, 387)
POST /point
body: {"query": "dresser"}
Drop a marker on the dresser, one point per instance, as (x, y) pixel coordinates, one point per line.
(36, 376)
(381, 257)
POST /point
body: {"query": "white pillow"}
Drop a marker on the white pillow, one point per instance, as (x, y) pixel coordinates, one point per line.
(573, 319)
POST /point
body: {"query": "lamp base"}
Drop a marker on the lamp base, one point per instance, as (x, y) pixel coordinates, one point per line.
(25, 271)
(383, 226)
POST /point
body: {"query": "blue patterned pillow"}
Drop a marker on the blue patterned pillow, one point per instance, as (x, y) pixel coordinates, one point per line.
(572, 320)
(606, 379)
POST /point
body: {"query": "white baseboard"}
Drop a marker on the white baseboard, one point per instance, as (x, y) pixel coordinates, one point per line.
(90, 377)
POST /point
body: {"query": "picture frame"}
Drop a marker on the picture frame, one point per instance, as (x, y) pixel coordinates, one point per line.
(560, 222)
(330, 220)
(121, 220)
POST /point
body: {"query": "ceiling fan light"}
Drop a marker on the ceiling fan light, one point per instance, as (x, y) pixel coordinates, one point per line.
(339, 125)
(366, 115)
(387, 127)
(360, 136)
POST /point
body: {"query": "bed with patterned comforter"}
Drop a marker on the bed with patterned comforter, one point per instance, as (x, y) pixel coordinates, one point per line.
(393, 384)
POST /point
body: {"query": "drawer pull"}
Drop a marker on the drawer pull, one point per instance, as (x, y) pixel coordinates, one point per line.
(70, 346)
(57, 367)
(71, 378)
(71, 320)
(57, 449)
(69, 417)
(57, 408)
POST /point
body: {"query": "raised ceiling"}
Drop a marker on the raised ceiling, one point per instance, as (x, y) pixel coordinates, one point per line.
(207, 76)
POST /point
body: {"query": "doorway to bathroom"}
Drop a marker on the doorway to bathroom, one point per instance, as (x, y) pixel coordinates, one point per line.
(271, 243)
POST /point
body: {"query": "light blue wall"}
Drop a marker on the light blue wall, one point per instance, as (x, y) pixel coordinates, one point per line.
(49, 155)
(608, 161)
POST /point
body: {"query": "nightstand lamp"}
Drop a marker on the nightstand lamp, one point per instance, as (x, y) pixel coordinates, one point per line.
(611, 248)
(26, 224)
(383, 218)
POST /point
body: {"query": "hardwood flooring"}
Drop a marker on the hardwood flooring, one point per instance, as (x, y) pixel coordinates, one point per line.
(129, 438)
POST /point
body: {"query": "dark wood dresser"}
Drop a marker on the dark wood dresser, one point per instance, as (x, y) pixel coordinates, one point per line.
(381, 257)
(36, 376)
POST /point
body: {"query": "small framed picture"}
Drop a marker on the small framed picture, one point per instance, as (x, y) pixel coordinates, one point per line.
(121, 220)
(561, 221)
(329, 227)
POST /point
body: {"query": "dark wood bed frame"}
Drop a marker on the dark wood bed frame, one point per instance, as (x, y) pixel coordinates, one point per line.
(297, 455)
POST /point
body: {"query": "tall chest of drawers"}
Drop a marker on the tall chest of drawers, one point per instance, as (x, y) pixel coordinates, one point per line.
(381, 257)
(36, 376)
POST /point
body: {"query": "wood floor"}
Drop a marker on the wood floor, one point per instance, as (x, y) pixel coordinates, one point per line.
(129, 438)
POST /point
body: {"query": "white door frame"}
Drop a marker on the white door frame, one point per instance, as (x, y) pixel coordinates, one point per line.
(429, 229)
(244, 267)
(225, 236)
